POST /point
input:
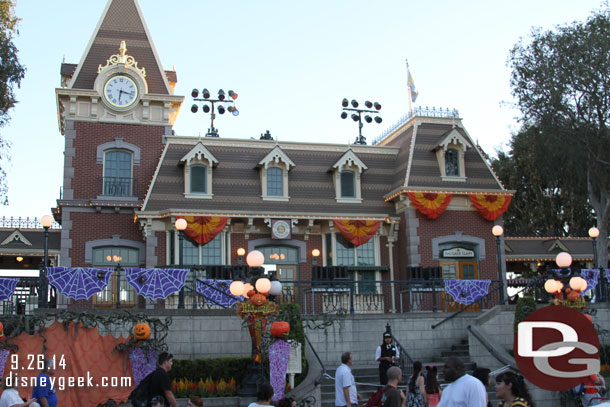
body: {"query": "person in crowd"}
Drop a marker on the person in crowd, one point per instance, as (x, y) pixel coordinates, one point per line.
(592, 388)
(482, 373)
(463, 390)
(157, 401)
(43, 391)
(386, 354)
(263, 396)
(194, 402)
(287, 402)
(10, 396)
(417, 387)
(392, 396)
(346, 394)
(160, 384)
(511, 388)
(432, 387)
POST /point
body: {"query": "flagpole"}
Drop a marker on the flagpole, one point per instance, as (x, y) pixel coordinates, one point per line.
(410, 95)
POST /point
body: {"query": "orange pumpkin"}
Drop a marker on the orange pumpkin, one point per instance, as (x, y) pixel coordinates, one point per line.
(280, 329)
(141, 331)
(250, 293)
(258, 299)
(573, 296)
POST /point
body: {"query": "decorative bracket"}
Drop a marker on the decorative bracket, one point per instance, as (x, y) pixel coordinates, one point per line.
(122, 59)
(308, 229)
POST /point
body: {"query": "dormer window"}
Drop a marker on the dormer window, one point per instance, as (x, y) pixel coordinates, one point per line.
(274, 169)
(452, 163)
(198, 179)
(198, 167)
(450, 155)
(348, 184)
(347, 173)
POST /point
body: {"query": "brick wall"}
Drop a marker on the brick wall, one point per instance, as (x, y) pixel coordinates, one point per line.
(88, 226)
(87, 172)
(161, 251)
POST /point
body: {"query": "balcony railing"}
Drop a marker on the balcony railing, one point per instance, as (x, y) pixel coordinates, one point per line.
(118, 186)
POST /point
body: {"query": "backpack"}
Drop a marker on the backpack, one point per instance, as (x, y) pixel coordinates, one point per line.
(140, 396)
(375, 400)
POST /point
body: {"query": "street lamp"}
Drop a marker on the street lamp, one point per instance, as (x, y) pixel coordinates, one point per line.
(357, 116)
(498, 231)
(240, 255)
(601, 287)
(180, 225)
(46, 221)
(210, 105)
(314, 256)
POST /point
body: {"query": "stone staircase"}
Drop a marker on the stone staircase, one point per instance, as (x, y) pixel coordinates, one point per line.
(369, 374)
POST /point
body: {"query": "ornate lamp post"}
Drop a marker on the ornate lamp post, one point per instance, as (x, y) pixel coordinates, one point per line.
(210, 105)
(357, 116)
(315, 253)
(46, 221)
(600, 290)
(180, 225)
(256, 287)
(498, 231)
(557, 285)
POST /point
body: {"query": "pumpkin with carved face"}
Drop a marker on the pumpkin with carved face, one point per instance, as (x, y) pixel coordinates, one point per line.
(258, 299)
(141, 331)
(280, 329)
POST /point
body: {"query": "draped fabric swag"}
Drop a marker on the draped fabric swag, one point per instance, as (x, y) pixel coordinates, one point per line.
(430, 204)
(491, 207)
(357, 232)
(203, 229)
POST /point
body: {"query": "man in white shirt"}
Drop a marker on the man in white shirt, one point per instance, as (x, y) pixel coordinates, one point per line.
(345, 385)
(463, 389)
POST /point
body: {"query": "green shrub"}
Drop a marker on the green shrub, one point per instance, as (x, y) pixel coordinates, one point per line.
(525, 306)
(218, 368)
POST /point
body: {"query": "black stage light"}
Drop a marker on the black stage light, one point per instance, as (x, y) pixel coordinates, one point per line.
(368, 104)
(205, 93)
(205, 109)
(343, 115)
(355, 117)
(194, 108)
(194, 93)
(378, 119)
(368, 118)
(354, 103)
(345, 103)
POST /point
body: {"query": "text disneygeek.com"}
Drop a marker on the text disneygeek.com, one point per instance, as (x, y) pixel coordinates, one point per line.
(61, 383)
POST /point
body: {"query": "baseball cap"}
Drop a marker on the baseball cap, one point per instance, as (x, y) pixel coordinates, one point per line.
(157, 400)
(387, 335)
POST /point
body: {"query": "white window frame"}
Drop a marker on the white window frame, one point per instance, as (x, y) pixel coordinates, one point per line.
(455, 141)
(199, 155)
(275, 159)
(348, 161)
(357, 274)
(205, 189)
(223, 249)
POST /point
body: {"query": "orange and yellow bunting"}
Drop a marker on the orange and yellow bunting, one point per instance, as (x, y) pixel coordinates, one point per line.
(430, 204)
(357, 232)
(203, 229)
(491, 207)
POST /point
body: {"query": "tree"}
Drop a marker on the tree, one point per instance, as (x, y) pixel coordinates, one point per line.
(11, 74)
(550, 200)
(561, 80)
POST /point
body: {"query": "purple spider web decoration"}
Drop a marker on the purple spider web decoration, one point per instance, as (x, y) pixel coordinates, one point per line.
(79, 283)
(143, 363)
(154, 283)
(591, 276)
(7, 287)
(279, 353)
(467, 291)
(224, 298)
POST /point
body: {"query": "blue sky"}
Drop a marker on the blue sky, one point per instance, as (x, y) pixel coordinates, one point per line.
(291, 64)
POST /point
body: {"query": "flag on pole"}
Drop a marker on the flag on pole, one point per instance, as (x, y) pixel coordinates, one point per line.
(411, 84)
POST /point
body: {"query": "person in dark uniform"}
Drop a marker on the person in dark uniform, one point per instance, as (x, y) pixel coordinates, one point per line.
(160, 385)
(386, 355)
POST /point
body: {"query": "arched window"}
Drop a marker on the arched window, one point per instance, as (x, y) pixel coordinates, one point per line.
(348, 184)
(117, 173)
(198, 179)
(452, 165)
(275, 181)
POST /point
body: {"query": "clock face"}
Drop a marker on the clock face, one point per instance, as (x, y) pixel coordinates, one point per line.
(281, 229)
(120, 91)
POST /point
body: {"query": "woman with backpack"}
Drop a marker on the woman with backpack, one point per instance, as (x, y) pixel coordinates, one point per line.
(417, 387)
(433, 389)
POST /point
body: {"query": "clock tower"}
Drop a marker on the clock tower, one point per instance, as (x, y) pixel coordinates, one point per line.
(115, 108)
